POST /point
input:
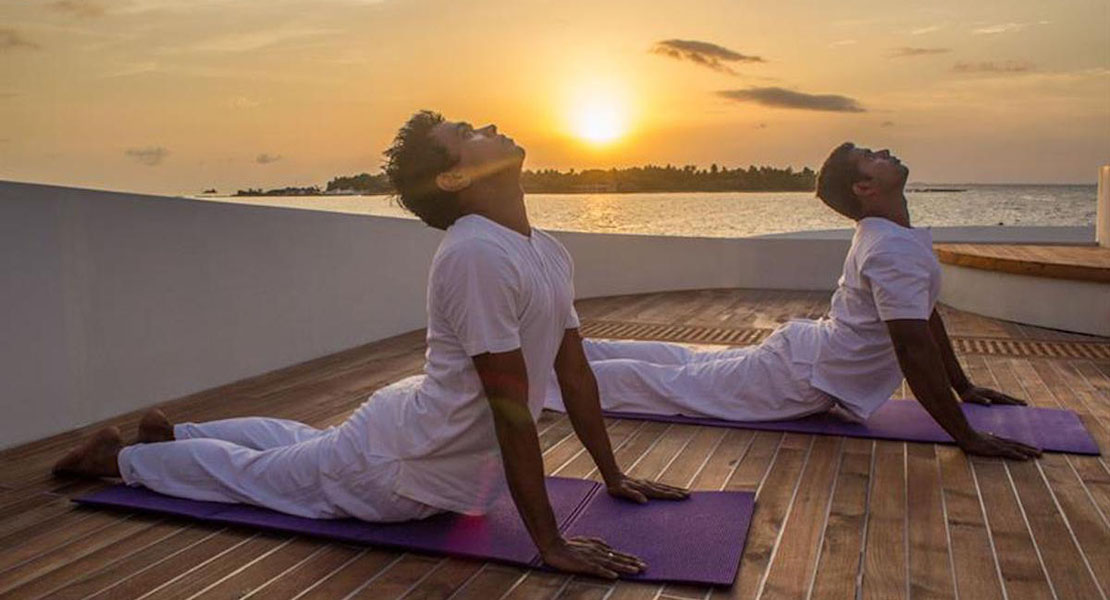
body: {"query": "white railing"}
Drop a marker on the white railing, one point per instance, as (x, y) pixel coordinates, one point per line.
(1102, 218)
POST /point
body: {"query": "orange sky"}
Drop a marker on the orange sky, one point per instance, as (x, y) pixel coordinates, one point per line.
(174, 96)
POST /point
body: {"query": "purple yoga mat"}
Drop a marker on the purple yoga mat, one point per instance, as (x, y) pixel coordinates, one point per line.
(693, 541)
(1051, 429)
(697, 540)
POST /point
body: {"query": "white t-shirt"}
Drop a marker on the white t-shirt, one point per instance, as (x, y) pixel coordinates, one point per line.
(890, 273)
(490, 289)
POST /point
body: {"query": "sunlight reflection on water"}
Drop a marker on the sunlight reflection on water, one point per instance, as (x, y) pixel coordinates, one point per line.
(745, 214)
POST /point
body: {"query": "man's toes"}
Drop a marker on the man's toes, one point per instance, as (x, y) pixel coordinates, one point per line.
(155, 427)
(96, 457)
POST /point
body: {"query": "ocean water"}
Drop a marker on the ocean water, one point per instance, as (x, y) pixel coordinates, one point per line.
(740, 214)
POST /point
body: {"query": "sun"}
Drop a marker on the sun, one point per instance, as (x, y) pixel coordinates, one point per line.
(598, 118)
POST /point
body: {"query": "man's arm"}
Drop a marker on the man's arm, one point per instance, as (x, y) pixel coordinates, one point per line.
(505, 379)
(921, 363)
(956, 377)
(580, 397)
(967, 391)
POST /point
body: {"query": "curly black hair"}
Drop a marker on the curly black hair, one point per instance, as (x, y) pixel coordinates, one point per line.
(835, 180)
(412, 164)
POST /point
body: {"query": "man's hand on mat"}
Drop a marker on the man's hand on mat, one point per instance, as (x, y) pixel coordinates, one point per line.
(981, 395)
(640, 490)
(590, 556)
(988, 444)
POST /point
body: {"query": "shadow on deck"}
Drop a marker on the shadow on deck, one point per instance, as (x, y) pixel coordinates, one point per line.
(834, 516)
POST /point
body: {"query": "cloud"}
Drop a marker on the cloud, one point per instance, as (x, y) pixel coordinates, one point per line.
(1009, 66)
(704, 54)
(81, 8)
(783, 98)
(843, 43)
(907, 51)
(242, 102)
(6, 95)
(256, 40)
(150, 156)
(924, 30)
(11, 39)
(265, 159)
(136, 68)
(886, 124)
(1000, 28)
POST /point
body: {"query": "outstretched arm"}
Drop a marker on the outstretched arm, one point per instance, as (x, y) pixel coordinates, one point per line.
(580, 396)
(505, 379)
(921, 363)
(959, 381)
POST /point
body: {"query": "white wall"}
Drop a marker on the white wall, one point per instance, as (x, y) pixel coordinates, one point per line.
(1082, 306)
(114, 301)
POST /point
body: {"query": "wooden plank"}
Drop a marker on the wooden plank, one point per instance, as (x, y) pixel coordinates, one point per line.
(352, 575)
(794, 562)
(208, 573)
(885, 573)
(71, 552)
(773, 501)
(254, 574)
(449, 577)
(581, 590)
(1090, 528)
(305, 574)
(974, 561)
(723, 460)
(497, 582)
(1022, 571)
(397, 579)
(535, 585)
(838, 567)
(139, 560)
(1065, 564)
(39, 542)
(930, 566)
(1064, 262)
(162, 572)
(92, 562)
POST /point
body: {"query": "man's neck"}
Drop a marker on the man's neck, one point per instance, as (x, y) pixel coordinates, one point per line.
(895, 212)
(501, 200)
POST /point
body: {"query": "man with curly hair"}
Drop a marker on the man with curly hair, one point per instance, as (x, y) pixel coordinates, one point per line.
(500, 323)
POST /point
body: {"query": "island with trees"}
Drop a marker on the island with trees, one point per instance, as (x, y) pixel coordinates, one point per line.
(649, 178)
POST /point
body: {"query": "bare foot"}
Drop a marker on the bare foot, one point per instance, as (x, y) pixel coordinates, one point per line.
(155, 427)
(95, 458)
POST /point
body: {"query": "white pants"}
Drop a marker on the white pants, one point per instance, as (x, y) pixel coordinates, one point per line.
(275, 463)
(756, 383)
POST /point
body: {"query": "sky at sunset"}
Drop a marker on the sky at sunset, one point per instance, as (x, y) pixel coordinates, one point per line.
(175, 96)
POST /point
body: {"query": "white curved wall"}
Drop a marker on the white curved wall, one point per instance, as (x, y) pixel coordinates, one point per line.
(114, 301)
(1082, 306)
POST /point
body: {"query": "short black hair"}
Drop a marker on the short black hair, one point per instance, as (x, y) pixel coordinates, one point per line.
(835, 180)
(412, 164)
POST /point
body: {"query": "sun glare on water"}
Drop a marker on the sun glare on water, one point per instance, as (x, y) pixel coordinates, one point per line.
(599, 118)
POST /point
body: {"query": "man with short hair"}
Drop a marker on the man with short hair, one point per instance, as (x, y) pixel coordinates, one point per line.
(882, 325)
(500, 320)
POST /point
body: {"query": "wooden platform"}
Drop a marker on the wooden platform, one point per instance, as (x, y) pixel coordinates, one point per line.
(1080, 263)
(835, 517)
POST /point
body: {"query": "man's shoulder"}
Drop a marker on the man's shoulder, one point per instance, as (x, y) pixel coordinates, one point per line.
(880, 236)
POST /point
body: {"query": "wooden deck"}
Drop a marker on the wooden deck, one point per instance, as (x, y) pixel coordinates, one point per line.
(1081, 263)
(835, 517)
